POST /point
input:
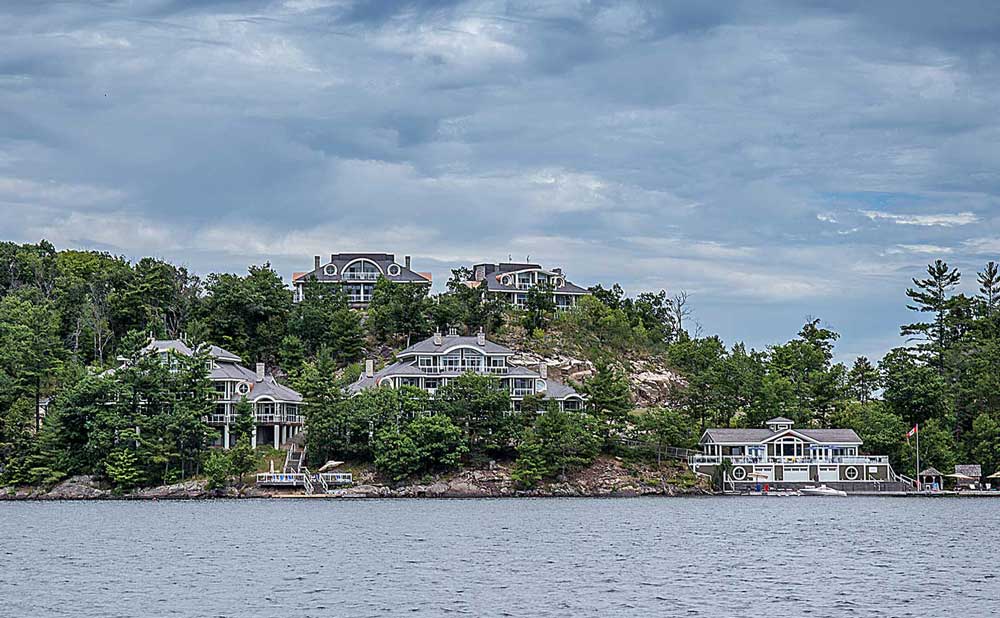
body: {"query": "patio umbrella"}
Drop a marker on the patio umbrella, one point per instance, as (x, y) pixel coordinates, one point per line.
(330, 465)
(995, 475)
(758, 475)
(960, 477)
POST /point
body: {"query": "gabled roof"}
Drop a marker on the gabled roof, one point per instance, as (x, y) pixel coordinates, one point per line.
(779, 420)
(761, 436)
(428, 346)
(932, 471)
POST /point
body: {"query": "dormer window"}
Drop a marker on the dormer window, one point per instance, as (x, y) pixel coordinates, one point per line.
(779, 423)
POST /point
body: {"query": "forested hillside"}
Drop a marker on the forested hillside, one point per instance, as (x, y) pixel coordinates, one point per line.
(65, 316)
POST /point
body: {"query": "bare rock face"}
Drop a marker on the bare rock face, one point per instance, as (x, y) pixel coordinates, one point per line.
(188, 490)
(81, 487)
(653, 383)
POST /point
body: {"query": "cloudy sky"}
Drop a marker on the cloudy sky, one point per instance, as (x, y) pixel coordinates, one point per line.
(776, 160)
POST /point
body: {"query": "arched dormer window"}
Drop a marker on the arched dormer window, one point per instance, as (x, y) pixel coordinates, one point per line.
(361, 269)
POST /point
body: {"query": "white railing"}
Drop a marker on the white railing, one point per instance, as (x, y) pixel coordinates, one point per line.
(743, 459)
(521, 392)
(360, 276)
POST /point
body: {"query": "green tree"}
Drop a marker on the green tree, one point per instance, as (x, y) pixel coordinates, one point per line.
(245, 422)
(539, 307)
(984, 443)
(398, 313)
(557, 443)
(247, 315)
(931, 295)
(880, 430)
(937, 447)
(122, 469)
(664, 427)
(863, 379)
(609, 400)
(427, 444)
(217, 469)
(242, 458)
(913, 389)
(480, 405)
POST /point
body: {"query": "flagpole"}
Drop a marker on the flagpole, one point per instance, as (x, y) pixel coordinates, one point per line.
(918, 456)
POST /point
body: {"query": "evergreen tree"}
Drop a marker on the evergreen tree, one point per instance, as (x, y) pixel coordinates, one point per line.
(609, 400)
(245, 422)
(242, 458)
(863, 379)
(931, 295)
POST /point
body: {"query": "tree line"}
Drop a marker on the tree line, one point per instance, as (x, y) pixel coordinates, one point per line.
(66, 316)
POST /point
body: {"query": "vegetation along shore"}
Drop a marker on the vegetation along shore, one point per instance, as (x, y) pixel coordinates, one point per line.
(560, 391)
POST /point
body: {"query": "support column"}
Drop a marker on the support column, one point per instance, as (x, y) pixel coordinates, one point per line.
(253, 437)
(225, 437)
(277, 435)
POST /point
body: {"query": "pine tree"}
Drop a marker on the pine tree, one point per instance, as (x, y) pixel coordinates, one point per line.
(931, 295)
(863, 379)
(245, 423)
(989, 288)
(609, 399)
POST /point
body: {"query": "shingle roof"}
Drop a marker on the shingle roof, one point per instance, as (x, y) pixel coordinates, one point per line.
(558, 390)
(383, 260)
(779, 420)
(932, 471)
(973, 470)
(227, 367)
(270, 387)
(751, 435)
(428, 346)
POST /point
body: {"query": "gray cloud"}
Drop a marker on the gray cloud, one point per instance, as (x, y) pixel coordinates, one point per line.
(777, 159)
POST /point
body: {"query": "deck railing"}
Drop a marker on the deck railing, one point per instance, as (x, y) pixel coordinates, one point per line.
(744, 459)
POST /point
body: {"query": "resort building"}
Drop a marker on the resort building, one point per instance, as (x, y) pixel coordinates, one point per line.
(512, 281)
(277, 408)
(431, 363)
(356, 274)
(781, 454)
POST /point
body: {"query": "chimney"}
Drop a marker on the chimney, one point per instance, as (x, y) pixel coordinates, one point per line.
(437, 338)
(557, 271)
(406, 261)
(315, 262)
(481, 337)
(332, 255)
(369, 368)
(543, 370)
(260, 372)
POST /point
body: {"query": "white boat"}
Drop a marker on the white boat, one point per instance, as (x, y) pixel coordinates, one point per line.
(822, 490)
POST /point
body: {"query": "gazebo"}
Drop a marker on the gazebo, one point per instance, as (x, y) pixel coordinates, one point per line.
(931, 478)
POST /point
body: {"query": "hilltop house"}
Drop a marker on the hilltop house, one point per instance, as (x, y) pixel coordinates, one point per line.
(276, 407)
(781, 454)
(512, 281)
(356, 274)
(431, 363)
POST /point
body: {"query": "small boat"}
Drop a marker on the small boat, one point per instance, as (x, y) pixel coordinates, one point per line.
(822, 490)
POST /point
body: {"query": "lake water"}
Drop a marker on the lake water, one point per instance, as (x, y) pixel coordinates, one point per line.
(718, 557)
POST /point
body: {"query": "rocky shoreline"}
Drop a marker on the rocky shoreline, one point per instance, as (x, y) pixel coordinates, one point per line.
(606, 478)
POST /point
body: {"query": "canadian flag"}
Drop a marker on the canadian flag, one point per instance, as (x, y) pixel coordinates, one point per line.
(911, 433)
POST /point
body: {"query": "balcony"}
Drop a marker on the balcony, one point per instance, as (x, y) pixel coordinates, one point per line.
(762, 460)
(360, 276)
(261, 419)
(521, 392)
